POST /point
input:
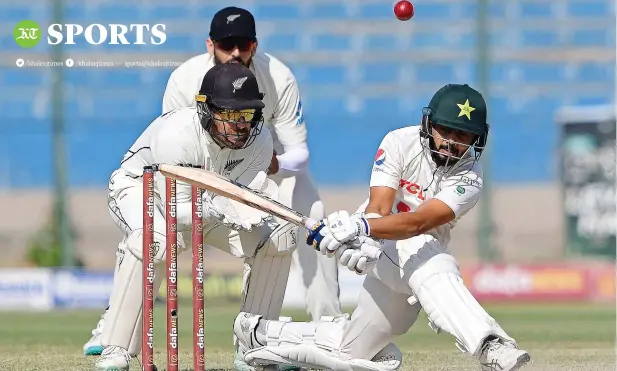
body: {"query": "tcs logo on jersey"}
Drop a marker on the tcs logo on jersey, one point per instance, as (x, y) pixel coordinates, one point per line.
(380, 157)
(411, 188)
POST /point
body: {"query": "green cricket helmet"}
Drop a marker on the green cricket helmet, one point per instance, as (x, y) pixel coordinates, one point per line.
(458, 107)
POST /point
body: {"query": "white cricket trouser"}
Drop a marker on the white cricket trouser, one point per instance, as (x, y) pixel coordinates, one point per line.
(319, 273)
(383, 312)
(413, 274)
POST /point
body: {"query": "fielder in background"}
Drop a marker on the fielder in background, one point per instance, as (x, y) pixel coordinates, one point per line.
(233, 40)
(424, 179)
(224, 134)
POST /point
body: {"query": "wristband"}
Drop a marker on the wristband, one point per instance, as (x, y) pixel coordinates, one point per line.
(365, 229)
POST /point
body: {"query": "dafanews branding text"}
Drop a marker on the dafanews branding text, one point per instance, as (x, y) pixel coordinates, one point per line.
(113, 34)
(28, 33)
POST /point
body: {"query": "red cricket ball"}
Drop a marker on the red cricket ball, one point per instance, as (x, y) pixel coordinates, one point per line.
(403, 10)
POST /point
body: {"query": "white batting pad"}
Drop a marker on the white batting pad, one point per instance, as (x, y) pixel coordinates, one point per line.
(123, 320)
(319, 273)
(449, 305)
(389, 358)
(265, 275)
(316, 345)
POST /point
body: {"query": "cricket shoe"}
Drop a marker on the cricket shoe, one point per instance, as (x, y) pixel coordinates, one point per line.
(93, 346)
(499, 356)
(113, 358)
(245, 326)
(245, 338)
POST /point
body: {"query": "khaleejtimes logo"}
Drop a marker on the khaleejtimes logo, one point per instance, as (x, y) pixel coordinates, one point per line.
(28, 34)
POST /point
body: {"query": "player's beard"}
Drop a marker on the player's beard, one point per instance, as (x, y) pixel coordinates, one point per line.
(443, 159)
(228, 137)
(218, 61)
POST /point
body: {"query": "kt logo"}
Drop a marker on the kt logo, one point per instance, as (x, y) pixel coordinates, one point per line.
(27, 34)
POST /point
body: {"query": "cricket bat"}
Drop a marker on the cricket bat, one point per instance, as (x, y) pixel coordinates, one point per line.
(225, 187)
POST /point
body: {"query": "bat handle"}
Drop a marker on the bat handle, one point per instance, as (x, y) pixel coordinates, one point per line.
(309, 223)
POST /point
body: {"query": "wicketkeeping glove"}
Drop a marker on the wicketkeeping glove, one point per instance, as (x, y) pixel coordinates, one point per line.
(235, 215)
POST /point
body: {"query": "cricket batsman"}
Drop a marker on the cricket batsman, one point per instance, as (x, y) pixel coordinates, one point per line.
(224, 133)
(424, 179)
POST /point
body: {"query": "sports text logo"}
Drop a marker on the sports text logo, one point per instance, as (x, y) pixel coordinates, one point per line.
(28, 34)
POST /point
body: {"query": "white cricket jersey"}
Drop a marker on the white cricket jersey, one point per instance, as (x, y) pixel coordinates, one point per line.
(178, 138)
(404, 164)
(283, 108)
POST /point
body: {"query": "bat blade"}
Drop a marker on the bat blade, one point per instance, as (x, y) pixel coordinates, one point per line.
(225, 187)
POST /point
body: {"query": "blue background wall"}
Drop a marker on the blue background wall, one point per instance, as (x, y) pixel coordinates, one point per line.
(361, 73)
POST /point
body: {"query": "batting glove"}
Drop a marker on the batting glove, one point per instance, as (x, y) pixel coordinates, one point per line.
(361, 255)
(339, 227)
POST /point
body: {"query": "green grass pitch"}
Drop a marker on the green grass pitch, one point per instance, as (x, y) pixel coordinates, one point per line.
(560, 337)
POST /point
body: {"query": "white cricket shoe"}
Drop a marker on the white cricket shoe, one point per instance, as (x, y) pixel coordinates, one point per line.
(498, 356)
(245, 326)
(93, 346)
(245, 338)
(113, 358)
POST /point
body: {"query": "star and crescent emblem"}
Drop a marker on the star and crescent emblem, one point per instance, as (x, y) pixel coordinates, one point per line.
(466, 109)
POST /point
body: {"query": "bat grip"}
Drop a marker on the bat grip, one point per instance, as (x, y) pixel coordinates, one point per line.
(309, 223)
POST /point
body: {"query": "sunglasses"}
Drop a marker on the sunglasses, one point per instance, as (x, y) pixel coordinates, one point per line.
(235, 116)
(230, 43)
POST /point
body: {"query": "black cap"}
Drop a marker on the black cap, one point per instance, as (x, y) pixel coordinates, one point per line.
(233, 22)
(231, 86)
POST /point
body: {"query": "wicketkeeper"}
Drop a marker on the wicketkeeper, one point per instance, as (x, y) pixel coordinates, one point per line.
(224, 134)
